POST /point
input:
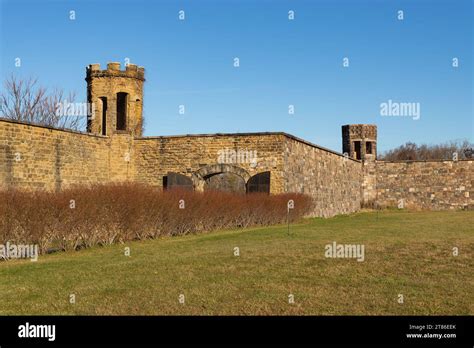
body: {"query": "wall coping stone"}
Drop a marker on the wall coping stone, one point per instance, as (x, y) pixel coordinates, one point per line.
(424, 161)
(31, 124)
(164, 137)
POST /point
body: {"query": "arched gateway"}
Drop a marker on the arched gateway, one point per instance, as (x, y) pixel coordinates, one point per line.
(223, 177)
(219, 177)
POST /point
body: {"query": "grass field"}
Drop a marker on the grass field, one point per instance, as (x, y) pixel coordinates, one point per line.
(408, 253)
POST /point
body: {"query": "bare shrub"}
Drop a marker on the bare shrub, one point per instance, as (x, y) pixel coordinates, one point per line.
(82, 217)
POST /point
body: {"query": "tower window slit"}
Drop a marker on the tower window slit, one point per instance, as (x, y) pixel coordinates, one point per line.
(368, 147)
(104, 115)
(122, 111)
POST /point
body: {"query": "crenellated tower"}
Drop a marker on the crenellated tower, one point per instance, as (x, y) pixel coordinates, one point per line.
(116, 97)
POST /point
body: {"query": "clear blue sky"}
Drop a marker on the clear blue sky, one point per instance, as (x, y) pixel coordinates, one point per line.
(282, 62)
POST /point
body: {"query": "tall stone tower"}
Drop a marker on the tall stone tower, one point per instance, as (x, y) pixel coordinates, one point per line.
(116, 97)
(359, 141)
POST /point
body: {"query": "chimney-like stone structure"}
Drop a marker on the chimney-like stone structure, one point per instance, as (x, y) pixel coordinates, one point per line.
(359, 141)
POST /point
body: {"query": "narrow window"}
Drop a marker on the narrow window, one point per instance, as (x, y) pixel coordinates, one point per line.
(368, 147)
(357, 149)
(104, 115)
(89, 124)
(121, 111)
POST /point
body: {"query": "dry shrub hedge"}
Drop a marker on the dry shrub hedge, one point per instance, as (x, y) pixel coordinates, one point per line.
(115, 213)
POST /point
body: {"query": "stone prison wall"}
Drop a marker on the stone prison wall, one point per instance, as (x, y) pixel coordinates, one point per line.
(334, 181)
(435, 185)
(157, 156)
(37, 157)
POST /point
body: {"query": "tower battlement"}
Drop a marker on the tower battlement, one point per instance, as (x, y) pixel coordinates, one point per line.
(113, 70)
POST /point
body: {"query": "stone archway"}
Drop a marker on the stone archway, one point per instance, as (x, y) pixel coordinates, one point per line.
(225, 182)
(219, 175)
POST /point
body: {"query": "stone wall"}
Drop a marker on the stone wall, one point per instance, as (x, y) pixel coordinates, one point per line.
(156, 156)
(435, 185)
(45, 158)
(295, 165)
(334, 181)
(37, 157)
(369, 182)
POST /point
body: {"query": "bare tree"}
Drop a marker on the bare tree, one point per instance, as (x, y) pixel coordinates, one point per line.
(447, 151)
(27, 101)
(469, 152)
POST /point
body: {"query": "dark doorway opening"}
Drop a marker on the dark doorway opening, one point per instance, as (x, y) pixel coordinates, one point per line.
(175, 180)
(357, 149)
(259, 183)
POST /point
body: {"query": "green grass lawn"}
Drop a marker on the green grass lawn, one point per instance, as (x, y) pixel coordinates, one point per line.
(408, 253)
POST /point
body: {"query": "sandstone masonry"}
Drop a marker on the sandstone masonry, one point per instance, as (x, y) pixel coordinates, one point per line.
(114, 150)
